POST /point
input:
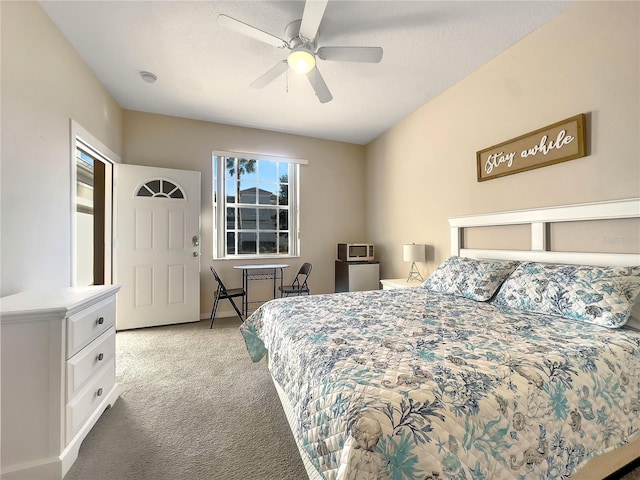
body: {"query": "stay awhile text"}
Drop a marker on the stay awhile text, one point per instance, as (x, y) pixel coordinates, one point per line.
(496, 159)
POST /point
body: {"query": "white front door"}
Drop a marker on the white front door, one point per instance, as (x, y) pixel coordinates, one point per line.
(157, 250)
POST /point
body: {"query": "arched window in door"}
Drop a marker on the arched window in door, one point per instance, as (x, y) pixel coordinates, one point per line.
(161, 188)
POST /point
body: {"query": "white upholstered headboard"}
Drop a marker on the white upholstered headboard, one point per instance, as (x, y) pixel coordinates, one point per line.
(539, 220)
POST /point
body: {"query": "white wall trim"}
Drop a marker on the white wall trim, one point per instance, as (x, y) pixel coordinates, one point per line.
(260, 156)
(78, 132)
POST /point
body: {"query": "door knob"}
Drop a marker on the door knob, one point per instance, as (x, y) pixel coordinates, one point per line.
(195, 254)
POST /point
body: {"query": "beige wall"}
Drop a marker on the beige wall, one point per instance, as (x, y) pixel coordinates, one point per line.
(331, 190)
(417, 174)
(423, 170)
(44, 85)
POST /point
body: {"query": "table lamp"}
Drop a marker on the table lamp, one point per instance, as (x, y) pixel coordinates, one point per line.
(414, 252)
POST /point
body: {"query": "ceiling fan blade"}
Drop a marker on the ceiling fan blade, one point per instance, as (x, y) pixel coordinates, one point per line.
(351, 54)
(250, 31)
(270, 75)
(311, 18)
(321, 89)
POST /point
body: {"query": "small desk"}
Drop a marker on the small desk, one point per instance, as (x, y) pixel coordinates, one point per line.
(273, 271)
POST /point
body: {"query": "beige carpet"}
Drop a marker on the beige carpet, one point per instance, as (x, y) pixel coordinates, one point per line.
(193, 407)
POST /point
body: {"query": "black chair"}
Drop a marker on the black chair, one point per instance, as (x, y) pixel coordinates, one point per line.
(223, 292)
(299, 285)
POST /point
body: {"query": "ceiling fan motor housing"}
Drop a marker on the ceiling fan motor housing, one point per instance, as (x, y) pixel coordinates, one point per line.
(292, 34)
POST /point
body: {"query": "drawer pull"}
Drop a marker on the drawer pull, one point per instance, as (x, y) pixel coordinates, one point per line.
(100, 320)
(100, 357)
(99, 392)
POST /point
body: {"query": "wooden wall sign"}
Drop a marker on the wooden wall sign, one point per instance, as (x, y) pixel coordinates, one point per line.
(555, 143)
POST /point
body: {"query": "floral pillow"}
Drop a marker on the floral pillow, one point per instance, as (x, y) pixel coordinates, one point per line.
(600, 295)
(470, 278)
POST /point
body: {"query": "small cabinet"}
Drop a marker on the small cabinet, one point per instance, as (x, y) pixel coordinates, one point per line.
(57, 376)
(357, 276)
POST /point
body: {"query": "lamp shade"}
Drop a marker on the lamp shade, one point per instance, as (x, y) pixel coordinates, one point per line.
(413, 252)
(301, 60)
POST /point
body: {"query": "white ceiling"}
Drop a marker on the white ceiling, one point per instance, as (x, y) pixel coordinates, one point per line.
(204, 70)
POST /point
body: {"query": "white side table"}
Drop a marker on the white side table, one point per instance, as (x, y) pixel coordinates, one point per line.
(393, 283)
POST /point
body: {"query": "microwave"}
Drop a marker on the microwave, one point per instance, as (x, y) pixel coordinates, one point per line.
(354, 252)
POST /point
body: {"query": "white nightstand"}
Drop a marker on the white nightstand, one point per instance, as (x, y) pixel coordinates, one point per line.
(392, 283)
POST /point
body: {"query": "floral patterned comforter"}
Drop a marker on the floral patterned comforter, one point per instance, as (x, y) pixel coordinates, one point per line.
(407, 384)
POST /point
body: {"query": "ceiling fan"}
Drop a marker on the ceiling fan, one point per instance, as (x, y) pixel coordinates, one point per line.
(303, 52)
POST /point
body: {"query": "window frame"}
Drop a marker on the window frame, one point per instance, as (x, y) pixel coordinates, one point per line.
(219, 200)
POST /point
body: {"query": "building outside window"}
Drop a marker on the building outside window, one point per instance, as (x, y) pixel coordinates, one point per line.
(255, 205)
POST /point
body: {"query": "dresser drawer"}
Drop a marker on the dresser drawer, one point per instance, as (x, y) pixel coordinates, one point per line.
(88, 361)
(88, 324)
(87, 400)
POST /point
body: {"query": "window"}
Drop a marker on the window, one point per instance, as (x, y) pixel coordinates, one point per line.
(255, 205)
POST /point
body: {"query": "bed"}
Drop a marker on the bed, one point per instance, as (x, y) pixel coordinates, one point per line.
(504, 364)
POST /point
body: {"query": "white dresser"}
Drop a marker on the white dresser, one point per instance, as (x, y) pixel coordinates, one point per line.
(57, 376)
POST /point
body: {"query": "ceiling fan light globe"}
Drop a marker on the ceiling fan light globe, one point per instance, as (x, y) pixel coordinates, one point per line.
(301, 61)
